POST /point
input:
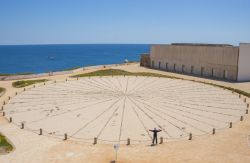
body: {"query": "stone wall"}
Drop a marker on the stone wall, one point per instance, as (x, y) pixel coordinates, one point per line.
(41, 75)
(145, 60)
(244, 62)
(208, 61)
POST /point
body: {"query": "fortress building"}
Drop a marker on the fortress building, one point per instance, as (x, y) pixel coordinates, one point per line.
(219, 61)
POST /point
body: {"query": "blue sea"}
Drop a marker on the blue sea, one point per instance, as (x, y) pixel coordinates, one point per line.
(46, 58)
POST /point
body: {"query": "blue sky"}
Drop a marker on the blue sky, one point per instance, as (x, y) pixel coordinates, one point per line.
(124, 21)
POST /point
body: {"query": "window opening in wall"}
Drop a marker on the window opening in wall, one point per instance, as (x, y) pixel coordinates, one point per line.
(174, 66)
(166, 66)
(159, 66)
(183, 68)
(213, 72)
(202, 71)
(192, 69)
(225, 74)
(153, 64)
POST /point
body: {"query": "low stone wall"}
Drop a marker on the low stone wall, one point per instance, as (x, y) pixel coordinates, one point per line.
(103, 66)
(145, 60)
(20, 77)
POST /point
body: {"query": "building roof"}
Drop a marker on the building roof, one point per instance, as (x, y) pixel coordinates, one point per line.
(201, 44)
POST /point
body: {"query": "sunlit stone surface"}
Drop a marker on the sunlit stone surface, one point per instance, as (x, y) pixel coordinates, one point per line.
(116, 108)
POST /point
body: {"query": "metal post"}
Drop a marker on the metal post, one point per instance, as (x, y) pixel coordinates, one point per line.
(239, 96)
(247, 111)
(2, 108)
(128, 141)
(230, 125)
(116, 156)
(43, 83)
(241, 118)
(3, 113)
(10, 119)
(213, 131)
(245, 100)
(65, 136)
(116, 147)
(41, 131)
(161, 140)
(247, 105)
(9, 97)
(66, 79)
(24, 89)
(22, 127)
(95, 141)
(4, 103)
(16, 93)
(55, 81)
(190, 136)
(34, 86)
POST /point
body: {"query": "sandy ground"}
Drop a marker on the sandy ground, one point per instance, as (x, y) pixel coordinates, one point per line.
(228, 145)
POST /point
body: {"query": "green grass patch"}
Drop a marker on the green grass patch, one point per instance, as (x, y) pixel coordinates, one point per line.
(117, 72)
(24, 73)
(1, 89)
(107, 72)
(24, 83)
(4, 144)
(228, 88)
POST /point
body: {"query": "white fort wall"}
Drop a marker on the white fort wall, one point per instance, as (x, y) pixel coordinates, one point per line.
(244, 62)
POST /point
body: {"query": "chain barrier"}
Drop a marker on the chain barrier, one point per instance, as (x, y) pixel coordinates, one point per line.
(87, 140)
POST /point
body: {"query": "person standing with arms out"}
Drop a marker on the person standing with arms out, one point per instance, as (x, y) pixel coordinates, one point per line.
(155, 135)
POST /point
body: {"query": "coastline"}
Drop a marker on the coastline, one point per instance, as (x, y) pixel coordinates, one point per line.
(53, 58)
(77, 70)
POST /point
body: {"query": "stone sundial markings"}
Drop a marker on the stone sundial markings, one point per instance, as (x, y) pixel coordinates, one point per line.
(169, 104)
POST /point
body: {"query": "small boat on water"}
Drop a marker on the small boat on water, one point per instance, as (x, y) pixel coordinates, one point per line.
(51, 57)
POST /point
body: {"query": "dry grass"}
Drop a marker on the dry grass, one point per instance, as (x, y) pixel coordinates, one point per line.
(117, 72)
(4, 144)
(25, 83)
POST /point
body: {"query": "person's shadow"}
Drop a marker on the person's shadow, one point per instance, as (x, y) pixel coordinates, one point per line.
(151, 145)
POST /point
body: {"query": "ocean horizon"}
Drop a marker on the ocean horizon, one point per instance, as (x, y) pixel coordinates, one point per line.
(58, 57)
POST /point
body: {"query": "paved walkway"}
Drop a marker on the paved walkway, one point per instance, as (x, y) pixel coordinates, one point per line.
(229, 145)
(113, 109)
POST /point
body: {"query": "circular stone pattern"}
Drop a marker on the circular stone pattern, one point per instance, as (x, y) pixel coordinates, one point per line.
(113, 109)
